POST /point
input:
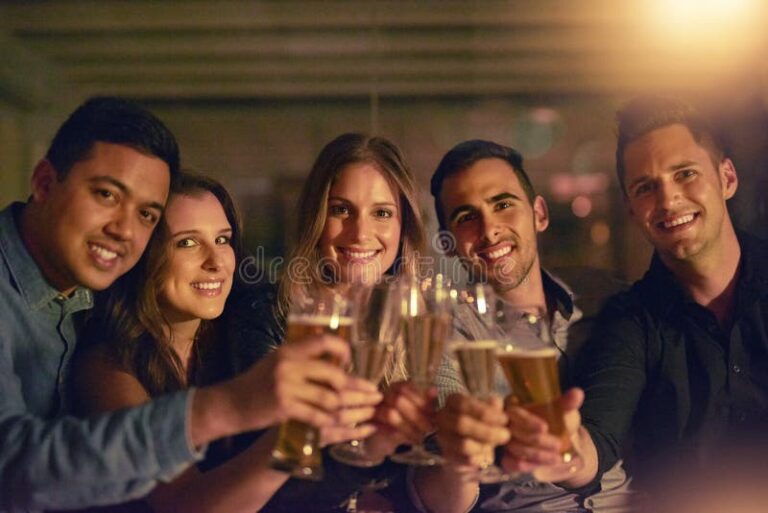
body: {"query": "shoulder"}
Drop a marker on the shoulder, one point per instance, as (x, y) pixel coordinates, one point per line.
(101, 384)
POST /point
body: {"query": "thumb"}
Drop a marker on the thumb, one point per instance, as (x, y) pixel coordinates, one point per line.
(572, 399)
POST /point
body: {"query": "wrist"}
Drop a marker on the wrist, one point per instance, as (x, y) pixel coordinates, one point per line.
(213, 415)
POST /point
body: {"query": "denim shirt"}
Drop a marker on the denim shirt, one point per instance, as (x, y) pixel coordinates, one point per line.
(47, 458)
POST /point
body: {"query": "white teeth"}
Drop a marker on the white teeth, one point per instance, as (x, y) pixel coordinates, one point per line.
(360, 254)
(677, 222)
(208, 285)
(103, 253)
(500, 252)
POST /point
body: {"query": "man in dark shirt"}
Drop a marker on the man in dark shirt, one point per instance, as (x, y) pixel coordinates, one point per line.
(681, 360)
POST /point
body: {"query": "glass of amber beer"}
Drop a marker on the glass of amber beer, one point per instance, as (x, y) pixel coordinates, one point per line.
(297, 450)
(528, 356)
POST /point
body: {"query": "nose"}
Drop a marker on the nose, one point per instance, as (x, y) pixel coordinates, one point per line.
(360, 228)
(490, 228)
(121, 226)
(213, 259)
(668, 194)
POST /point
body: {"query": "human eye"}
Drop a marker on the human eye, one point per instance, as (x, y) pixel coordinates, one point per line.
(186, 242)
(338, 210)
(686, 174)
(222, 240)
(642, 188)
(104, 195)
(150, 217)
(384, 213)
(502, 205)
(465, 217)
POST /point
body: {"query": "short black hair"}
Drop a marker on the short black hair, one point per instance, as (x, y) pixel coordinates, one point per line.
(645, 114)
(463, 156)
(112, 120)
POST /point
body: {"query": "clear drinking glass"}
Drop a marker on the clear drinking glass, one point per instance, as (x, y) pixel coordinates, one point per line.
(375, 330)
(297, 450)
(528, 356)
(426, 309)
(475, 351)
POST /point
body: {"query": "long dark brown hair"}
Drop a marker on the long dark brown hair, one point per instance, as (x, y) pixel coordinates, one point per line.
(130, 324)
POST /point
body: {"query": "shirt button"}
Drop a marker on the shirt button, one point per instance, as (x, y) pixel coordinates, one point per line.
(736, 369)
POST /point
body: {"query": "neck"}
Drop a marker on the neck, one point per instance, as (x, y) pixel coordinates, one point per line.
(711, 278)
(182, 337)
(529, 294)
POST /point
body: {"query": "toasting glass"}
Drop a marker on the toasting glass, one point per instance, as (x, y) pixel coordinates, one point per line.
(297, 450)
(375, 330)
(426, 309)
(475, 351)
(528, 356)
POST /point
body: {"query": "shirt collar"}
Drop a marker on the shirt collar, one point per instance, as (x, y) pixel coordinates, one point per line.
(25, 273)
(556, 290)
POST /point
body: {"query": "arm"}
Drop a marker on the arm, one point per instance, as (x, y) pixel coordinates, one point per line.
(244, 483)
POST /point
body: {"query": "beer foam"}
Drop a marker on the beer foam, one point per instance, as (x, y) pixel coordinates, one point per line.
(518, 352)
(474, 344)
(319, 320)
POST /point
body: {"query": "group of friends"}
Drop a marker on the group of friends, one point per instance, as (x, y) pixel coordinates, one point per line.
(140, 372)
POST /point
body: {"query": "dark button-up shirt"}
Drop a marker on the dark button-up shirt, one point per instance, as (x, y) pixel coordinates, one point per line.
(662, 368)
(49, 459)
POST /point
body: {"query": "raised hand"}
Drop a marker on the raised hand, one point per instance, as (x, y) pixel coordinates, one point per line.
(533, 449)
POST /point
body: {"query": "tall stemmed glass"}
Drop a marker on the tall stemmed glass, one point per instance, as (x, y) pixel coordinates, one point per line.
(426, 308)
(375, 329)
(528, 358)
(475, 347)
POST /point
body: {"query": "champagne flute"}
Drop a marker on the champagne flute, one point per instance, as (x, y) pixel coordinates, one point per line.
(375, 330)
(426, 309)
(475, 353)
(322, 311)
(528, 357)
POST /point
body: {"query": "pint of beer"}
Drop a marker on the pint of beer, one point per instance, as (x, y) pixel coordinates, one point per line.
(297, 450)
(533, 377)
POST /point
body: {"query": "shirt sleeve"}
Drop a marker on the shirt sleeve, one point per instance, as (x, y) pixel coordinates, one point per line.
(69, 462)
(612, 371)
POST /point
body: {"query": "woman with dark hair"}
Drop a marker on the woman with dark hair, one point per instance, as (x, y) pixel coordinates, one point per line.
(358, 220)
(160, 330)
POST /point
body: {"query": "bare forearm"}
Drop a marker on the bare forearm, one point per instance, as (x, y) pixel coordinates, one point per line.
(443, 489)
(244, 484)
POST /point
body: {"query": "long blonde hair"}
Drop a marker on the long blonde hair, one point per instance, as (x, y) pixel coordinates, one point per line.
(344, 151)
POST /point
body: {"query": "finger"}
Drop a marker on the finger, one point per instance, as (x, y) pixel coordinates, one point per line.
(488, 412)
(471, 428)
(354, 398)
(362, 385)
(406, 389)
(572, 399)
(525, 422)
(335, 434)
(316, 396)
(533, 455)
(462, 451)
(309, 415)
(352, 416)
(411, 412)
(394, 422)
(316, 371)
(311, 347)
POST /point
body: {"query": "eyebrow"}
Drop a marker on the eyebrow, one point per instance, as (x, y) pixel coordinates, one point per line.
(377, 204)
(676, 167)
(195, 232)
(493, 199)
(124, 189)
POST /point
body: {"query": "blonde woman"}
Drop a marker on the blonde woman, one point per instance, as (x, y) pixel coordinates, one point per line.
(358, 220)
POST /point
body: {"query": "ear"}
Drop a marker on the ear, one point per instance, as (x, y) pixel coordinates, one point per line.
(540, 214)
(728, 178)
(44, 177)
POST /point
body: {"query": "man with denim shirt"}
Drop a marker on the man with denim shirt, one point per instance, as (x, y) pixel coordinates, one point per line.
(485, 200)
(96, 198)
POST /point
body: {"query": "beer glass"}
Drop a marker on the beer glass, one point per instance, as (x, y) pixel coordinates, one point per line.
(475, 350)
(297, 450)
(528, 356)
(426, 310)
(375, 329)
